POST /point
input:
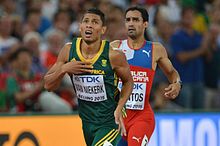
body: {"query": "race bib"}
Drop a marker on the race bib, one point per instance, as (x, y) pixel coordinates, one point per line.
(90, 87)
(136, 100)
(137, 97)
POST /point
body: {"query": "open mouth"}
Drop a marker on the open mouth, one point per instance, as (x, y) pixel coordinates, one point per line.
(88, 32)
(131, 29)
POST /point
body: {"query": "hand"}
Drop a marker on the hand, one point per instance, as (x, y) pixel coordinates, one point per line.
(119, 122)
(172, 91)
(78, 67)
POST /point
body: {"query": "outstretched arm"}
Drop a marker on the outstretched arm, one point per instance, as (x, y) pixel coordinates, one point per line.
(122, 69)
(166, 66)
(54, 76)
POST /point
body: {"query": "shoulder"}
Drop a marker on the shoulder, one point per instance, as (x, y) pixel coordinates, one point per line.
(115, 52)
(157, 46)
(68, 45)
(159, 50)
(116, 55)
(64, 53)
(115, 43)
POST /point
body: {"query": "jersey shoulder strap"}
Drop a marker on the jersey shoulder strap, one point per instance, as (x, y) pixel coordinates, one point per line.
(72, 49)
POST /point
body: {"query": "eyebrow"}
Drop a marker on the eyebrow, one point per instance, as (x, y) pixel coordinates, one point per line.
(96, 19)
(92, 19)
(133, 17)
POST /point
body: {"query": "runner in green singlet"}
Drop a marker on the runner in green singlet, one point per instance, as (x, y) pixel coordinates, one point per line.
(94, 68)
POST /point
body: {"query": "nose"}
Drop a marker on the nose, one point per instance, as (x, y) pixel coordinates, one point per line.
(89, 25)
(130, 23)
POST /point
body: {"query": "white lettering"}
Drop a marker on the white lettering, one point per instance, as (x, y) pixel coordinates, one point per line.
(178, 131)
(206, 134)
(140, 79)
(170, 136)
(185, 132)
(219, 132)
(90, 88)
(167, 133)
(139, 73)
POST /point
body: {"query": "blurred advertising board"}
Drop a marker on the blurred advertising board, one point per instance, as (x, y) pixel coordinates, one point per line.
(186, 129)
(172, 129)
(41, 131)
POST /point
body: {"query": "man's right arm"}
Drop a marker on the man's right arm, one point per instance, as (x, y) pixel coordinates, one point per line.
(62, 66)
(55, 74)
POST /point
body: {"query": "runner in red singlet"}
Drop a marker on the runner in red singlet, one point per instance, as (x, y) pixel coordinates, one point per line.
(143, 57)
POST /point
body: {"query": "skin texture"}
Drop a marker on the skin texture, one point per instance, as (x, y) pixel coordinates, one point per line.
(91, 29)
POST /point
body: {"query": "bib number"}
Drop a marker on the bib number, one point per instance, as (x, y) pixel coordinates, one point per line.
(90, 87)
(137, 97)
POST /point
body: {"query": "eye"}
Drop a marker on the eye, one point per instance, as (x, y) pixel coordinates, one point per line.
(127, 19)
(136, 19)
(95, 22)
(85, 21)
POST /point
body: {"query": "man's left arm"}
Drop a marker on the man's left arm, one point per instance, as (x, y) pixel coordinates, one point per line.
(172, 91)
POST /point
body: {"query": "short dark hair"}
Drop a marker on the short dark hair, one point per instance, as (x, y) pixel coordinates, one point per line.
(17, 52)
(97, 12)
(142, 10)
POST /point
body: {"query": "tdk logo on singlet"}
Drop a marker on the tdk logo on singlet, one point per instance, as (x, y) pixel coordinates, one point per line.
(88, 79)
(138, 86)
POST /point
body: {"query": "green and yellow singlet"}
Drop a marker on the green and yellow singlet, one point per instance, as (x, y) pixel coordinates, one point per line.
(97, 91)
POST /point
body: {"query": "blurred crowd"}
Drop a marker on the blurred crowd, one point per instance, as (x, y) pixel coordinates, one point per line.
(32, 32)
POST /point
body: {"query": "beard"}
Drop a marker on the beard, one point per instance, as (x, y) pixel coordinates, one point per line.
(132, 35)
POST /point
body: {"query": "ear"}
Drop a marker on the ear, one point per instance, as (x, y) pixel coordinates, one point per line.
(104, 29)
(146, 24)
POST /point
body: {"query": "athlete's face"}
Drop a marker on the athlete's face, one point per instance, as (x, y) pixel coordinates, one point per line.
(91, 28)
(134, 24)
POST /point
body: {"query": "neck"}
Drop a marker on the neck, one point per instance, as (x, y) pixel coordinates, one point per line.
(90, 50)
(136, 43)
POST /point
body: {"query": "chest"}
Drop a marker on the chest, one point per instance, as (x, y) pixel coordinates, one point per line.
(141, 57)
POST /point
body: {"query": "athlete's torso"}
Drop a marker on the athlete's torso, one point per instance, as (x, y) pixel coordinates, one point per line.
(96, 92)
(140, 61)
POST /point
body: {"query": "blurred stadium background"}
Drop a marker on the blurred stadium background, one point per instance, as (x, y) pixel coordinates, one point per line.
(29, 115)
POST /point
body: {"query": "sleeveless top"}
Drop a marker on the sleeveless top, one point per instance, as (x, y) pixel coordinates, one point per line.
(140, 61)
(96, 91)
